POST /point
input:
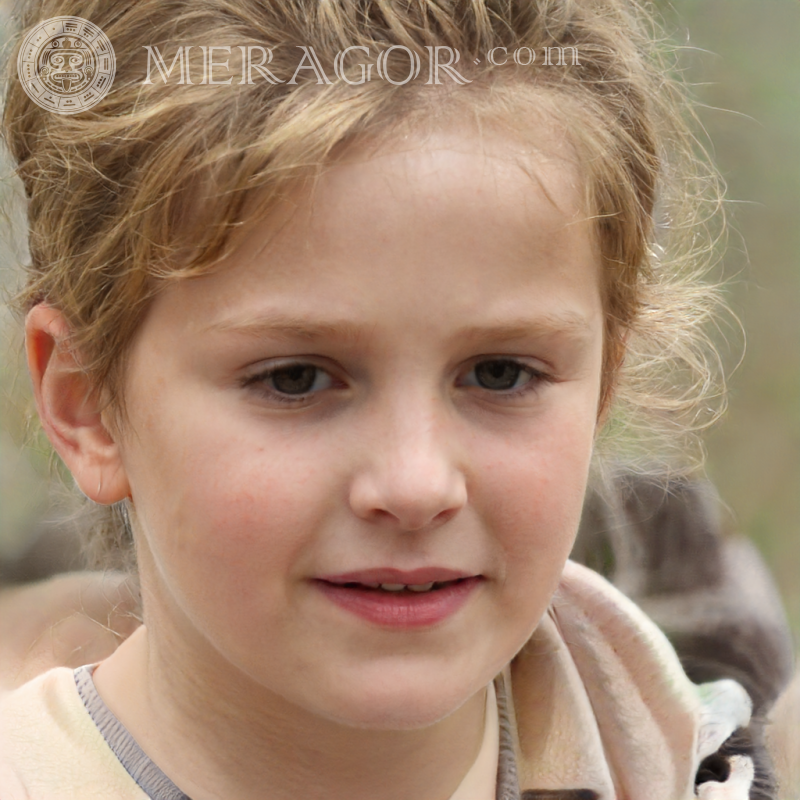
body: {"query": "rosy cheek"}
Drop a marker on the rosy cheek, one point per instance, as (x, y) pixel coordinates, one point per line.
(243, 512)
(535, 490)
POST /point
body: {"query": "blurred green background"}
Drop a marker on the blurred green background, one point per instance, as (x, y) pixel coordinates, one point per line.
(743, 57)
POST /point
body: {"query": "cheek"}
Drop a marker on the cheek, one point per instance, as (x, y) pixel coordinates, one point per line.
(243, 511)
(220, 507)
(532, 488)
(529, 491)
(227, 547)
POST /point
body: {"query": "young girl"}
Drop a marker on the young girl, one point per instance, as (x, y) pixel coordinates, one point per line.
(334, 340)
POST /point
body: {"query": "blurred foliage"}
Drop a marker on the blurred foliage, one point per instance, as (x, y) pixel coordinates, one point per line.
(742, 57)
(743, 60)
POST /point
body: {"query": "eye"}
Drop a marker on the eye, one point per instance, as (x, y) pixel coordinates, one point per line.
(503, 375)
(291, 381)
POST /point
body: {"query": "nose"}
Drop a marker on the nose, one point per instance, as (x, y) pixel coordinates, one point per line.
(409, 477)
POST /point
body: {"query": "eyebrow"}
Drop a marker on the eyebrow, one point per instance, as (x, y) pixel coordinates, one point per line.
(278, 325)
(567, 324)
(289, 326)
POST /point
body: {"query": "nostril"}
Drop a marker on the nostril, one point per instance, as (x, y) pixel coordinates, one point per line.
(410, 503)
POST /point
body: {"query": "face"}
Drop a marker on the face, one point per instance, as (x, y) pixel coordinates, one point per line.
(394, 381)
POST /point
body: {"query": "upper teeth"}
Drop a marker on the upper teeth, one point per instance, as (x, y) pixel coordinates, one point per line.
(398, 587)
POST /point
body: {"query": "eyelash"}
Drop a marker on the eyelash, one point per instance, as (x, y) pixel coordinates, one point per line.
(260, 381)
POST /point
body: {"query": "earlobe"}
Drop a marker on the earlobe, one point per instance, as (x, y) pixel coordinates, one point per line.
(70, 409)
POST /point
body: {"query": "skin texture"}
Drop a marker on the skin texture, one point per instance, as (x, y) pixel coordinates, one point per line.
(404, 272)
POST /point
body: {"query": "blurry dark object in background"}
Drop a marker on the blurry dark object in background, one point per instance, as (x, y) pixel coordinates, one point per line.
(668, 546)
(55, 547)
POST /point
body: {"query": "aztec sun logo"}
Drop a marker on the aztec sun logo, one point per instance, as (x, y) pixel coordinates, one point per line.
(66, 64)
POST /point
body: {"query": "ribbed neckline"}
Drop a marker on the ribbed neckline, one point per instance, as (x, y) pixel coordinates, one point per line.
(157, 786)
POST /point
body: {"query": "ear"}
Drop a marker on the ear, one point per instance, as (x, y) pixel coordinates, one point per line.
(70, 408)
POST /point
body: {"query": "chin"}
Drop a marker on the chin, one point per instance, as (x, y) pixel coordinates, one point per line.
(401, 704)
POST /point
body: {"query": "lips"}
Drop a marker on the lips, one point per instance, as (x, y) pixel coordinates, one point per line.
(400, 599)
(414, 577)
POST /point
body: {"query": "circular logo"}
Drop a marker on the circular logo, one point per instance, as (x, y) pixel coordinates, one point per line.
(66, 64)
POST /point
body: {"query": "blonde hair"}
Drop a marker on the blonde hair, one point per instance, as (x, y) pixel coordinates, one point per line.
(148, 185)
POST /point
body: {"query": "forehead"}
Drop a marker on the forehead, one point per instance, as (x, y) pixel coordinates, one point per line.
(447, 182)
(424, 228)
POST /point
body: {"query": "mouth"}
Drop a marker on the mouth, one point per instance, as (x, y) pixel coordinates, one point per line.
(402, 600)
(399, 588)
(389, 576)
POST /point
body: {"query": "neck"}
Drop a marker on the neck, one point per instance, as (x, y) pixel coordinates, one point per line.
(217, 734)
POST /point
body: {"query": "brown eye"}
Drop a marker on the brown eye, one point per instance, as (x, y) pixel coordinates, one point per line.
(294, 379)
(295, 382)
(500, 374)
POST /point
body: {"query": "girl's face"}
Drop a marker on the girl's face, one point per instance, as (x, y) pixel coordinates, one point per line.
(394, 382)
